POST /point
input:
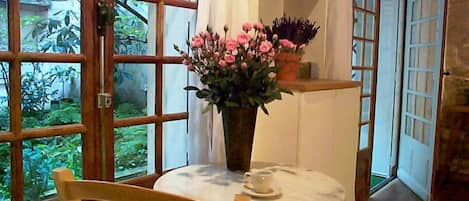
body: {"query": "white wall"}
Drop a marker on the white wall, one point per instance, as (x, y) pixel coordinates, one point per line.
(387, 72)
(330, 52)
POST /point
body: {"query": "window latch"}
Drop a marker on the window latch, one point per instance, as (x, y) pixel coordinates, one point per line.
(104, 100)
(106, 16)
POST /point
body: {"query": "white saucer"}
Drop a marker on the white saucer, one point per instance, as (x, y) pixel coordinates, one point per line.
(249, 190)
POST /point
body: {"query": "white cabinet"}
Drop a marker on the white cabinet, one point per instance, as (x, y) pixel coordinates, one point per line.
(317, 130)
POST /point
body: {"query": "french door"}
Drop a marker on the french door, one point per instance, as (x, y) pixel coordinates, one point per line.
(422, 62)
(50, 112)
(364, 69)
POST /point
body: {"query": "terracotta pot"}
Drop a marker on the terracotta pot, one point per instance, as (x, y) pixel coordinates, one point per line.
(289, 64)
(238, 126)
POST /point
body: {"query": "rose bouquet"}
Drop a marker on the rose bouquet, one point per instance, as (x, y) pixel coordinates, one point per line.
(236, 72)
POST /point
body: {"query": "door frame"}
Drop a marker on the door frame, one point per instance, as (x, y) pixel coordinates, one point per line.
(436, 149)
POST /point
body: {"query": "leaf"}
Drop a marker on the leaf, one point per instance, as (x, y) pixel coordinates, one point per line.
(207, 108)
(264, 109)
(67, 18)
(231, 104)
(191, 88)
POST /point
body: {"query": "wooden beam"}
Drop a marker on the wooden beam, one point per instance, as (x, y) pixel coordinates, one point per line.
(53, 131)
(49, 57)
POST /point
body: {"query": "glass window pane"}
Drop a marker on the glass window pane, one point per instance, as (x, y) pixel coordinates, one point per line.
(428, 109)
(134, 90)
(3, 27)
(174, 96)
(371, 5)
(364, 136)
(174, 144)
(356, 75)
(367, 81)
(426, 57)
(135, 28)
(369, 54)
(359, 3)
(410, 103)
(41, 156)
(370, 26)
(358, 23)
(50, 26)
(131, 154)
(408, 126)
(416, 11)
(365, 109)
(427, 133)
(50, 94)
(4, 94)
(179, 27)
(357, 53)
(5, 176)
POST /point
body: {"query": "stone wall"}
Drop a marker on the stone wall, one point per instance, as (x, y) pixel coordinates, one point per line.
(456, 63)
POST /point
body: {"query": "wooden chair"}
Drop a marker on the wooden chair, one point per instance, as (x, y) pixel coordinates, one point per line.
(69, 189)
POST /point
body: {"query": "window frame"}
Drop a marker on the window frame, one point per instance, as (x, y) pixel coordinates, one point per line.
(91, 123)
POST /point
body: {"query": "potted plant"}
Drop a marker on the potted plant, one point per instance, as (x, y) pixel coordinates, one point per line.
(294, 34)
(238, 78)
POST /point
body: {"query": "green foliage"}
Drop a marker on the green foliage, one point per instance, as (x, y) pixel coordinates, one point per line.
(3, 29)
(130, 32)
(59, 33)
(68, 113)
(41, 156)
(131, 147)
(126, 110)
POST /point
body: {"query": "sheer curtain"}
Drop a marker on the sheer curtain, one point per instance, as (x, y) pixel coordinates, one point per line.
(338, 44)
(206, 141)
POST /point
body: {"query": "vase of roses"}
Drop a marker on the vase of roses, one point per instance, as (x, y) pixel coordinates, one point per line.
(238, 77)
(294, 34)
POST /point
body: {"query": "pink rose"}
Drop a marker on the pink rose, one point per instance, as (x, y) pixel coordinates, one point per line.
(265, 46)
(275, 37)
(222, 63)
(258, 26)
(231, 45)
(197, 42)
(244, 65)
(271, 53)
(229, 58)
(243, 38)
(216, 54)
(247, 27)
(286, 43)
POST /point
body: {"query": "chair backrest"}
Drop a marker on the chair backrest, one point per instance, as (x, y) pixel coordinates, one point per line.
(69, 189)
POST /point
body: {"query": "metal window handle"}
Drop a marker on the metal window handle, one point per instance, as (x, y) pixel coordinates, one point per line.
(446, 73)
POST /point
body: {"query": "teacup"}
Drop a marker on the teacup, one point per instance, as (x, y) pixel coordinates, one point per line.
(261, 180)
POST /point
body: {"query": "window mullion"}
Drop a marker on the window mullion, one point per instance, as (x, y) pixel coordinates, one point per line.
(17, 183)
(159, 89)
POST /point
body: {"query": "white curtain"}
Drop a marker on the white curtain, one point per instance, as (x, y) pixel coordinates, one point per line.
(206, 141)
(338, 32)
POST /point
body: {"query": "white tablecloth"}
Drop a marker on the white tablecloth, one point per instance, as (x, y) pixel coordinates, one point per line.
(215, 183)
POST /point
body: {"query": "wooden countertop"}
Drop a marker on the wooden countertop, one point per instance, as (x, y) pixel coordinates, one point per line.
(317, 85)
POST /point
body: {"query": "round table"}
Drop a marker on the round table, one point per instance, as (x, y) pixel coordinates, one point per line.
(216, 183)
